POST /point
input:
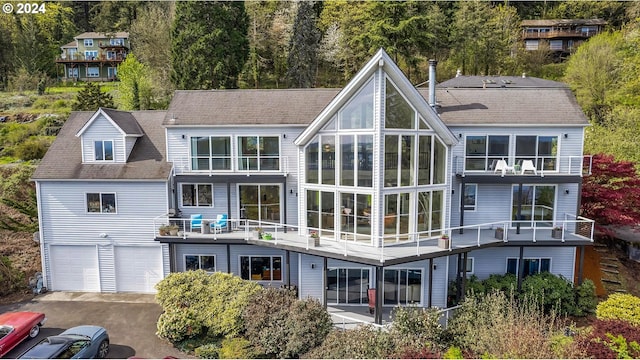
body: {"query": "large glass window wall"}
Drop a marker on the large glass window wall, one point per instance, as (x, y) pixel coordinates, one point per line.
(353, 166)
(403, 154)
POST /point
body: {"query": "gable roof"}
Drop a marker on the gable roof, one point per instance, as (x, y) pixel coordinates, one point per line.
(124, 121)
(103, 35)
(509, 106)
(380, 60)
(147, 161)
(247, 107)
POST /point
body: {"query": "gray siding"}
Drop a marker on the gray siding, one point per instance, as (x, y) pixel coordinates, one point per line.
(311, 280)
(219, 251)
(494, 260)
(179, 152)
(129, 143)
(65, 221)
(102, 129)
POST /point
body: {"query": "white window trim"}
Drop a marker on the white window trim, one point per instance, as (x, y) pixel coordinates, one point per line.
(196, 187)
(92, 75)
(506, 264)
(236, 152)
(269, 256)
(215, 262)
(88, 42)
(423, 275)
(113, 150)
(468, 208)
(90, 53)
(473, 266)
(210, 157)
(86, 203)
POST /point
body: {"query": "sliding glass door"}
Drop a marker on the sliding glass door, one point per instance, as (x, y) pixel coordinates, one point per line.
(347, 286)
(260, 202)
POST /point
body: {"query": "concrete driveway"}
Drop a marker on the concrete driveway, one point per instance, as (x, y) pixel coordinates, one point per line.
(130, 320)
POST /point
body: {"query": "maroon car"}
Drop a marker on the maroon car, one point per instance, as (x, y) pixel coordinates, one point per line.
(17, 326)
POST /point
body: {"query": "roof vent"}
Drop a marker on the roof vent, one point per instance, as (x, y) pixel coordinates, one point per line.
(458, 72)
(524, 75)
(506, 81)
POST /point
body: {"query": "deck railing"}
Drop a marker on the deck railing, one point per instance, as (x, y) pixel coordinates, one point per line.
(234, 165)
(572, 227)
(545, 165)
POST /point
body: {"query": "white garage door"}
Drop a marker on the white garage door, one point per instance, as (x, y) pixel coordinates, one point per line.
(138, 268)
(74, 268)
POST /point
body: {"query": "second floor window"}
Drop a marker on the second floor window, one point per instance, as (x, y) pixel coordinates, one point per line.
(88, 42)
(211, 153)
(482, 151)
(103, 150)
(91, 55)
(197, 195)
(116, 42)
(101, 202)
(258, 153)
(542, 150)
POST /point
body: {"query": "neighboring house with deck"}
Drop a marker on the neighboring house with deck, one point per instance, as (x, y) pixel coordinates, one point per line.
(561, 36)
(378, 170)
(93, 56)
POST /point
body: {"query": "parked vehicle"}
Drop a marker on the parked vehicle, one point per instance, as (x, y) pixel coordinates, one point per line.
(80, 342)
(17, 326)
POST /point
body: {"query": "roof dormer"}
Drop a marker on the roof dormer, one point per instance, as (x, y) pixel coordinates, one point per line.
(109, 137)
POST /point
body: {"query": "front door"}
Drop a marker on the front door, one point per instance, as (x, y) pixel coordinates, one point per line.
(260, 202)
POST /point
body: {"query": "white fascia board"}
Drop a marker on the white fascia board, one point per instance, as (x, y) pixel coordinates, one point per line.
(94, 117)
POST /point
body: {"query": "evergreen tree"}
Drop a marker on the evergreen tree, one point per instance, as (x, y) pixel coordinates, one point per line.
(209, 44)
(303, 47)
(90, 98)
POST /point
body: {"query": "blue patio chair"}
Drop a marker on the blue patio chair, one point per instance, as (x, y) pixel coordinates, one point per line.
(221, 222)
(196, 221)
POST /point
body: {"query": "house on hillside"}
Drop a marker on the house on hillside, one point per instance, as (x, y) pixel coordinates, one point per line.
(93, 56)
(378, 185)
(563, 36)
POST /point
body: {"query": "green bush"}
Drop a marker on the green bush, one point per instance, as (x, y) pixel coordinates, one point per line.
(553, 292)
(499, 326)
(32, 149)
(620, 307)
(363, 342)
(208, 351)
(236, 348)
(11, 279)
(281, 326)
(586, 299)
(417, 326)
(198, 304)
(453, 352)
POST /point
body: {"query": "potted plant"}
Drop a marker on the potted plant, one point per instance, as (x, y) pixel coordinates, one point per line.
(164, 230)
(267, 236)
(444, 242)
(499, 233)
(259, 232)
(314, 238)
(556, 232)
(173, 230)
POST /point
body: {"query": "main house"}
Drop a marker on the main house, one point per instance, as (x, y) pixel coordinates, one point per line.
(93, 56)
(333, 191)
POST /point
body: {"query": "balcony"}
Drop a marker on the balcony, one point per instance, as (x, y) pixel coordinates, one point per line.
(527, 35)
(573, 230)
(543, 166)
(226, 165)
(80, 58)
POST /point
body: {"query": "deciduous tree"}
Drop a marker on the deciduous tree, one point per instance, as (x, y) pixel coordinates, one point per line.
(611, 194)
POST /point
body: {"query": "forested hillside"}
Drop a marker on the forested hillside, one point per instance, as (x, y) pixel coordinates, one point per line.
(280, 44)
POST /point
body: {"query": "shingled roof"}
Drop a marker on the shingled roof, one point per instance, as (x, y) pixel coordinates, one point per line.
(147, 161)
(247, 107)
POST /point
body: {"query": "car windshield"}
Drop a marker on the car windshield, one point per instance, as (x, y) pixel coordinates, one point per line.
(5, 330)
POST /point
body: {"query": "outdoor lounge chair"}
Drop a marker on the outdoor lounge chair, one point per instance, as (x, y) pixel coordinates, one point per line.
(221, 222)
(502, 166)
(196, 221)
(527, 165)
